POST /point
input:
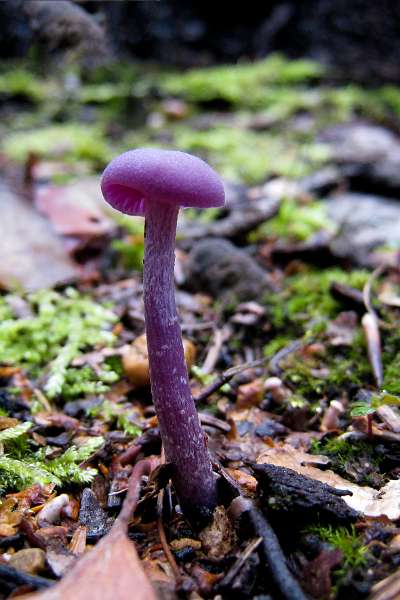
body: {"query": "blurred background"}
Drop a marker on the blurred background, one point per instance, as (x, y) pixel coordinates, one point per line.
(286, 100)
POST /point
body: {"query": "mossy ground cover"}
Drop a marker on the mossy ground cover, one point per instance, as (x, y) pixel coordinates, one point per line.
(51, 342)
(86, 111)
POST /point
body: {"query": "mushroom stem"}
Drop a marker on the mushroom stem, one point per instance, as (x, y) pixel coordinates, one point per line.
(183, 438)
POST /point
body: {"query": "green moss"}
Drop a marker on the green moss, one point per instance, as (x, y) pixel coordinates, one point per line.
(302, 309)
(245, 155)
(295, 221)
(121, 415)
(306, 296)
(344, 451)
(245, 84)
(19, 82)
(62, 326)
(70, 142)
(20, 467)
(351, 545)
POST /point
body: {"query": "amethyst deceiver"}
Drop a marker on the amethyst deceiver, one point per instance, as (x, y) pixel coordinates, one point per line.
(156, 183)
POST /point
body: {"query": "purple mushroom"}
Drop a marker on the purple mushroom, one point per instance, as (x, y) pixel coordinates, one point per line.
(155, 184)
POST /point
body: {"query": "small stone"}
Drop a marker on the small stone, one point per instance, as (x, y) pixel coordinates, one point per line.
(136, 361)
(29, 560)
(219, 268)
(51, 511)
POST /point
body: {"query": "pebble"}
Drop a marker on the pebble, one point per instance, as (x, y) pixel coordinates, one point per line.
(29, 560)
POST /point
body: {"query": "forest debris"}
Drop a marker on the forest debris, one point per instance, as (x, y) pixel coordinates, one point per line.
(9, 517)
(217, 267)
(390, 416)
(63, 24)
(112, 569)
(220, 336)
(247, 482)
(10, 577)
(288, 586)
(136, 362)
(387, 589)
(51, 511)
(250, 394)
(218, 538)
(242, 218)
(373, 338)
(78, 541)
(240, 561)
(29, 560)
(75, 209)
(341, 331)
(301, 498)
(92, 515)
(366, 500)
(317, 573)
(26, 245)
(181, 543)
(330, 418)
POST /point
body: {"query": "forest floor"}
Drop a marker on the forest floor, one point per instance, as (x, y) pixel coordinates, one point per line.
(289, 300)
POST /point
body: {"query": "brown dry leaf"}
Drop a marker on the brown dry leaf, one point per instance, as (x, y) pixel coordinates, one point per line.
(32, 255)
(246, 481)
(250, 394)
(6, 422)
(76, 209)
(112, 569)
(366, 500)
(10, 518)
(218, 537)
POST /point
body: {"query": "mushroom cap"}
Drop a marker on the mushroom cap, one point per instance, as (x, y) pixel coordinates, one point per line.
(169, 176)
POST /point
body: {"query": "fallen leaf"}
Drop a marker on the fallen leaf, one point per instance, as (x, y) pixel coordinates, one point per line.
(76, 209)
(32, 255)
(218, 537)
(250, 394)
(10, 517)
(366, 500)
(111, 570)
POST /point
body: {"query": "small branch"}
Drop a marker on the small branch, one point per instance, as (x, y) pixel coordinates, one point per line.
(226, 376)
(143, 467)
(283, 578)
(163, 539)
(274, 365)
(238, 564)
(17, 578)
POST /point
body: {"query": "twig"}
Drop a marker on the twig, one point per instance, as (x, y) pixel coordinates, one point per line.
(226, 376)
(273, 554)
(212, 421)
(143, 467)
(163, 538)
(274, 365)
(17, 578)
(220, 336)
(238, 564)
